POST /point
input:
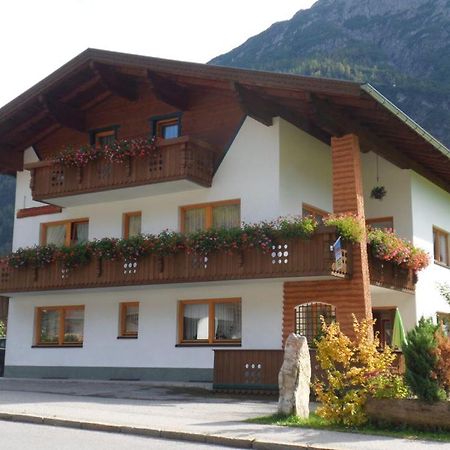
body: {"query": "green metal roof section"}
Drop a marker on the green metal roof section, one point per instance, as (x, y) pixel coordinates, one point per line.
(405, 118)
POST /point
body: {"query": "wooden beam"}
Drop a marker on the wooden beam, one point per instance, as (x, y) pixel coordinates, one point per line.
(369, 140)
(63, 113)
(115, 82)
(168, 91)
(262, 110)
(11, 160)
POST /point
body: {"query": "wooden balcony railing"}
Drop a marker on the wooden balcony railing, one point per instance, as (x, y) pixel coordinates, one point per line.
(257, 370)
(389, 275)
(182, 158)
(291, 258)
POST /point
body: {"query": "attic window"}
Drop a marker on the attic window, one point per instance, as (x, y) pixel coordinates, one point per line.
(167, 127)
(103, 137)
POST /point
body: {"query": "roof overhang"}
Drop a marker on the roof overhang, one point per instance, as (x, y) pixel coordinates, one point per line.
(321, 107)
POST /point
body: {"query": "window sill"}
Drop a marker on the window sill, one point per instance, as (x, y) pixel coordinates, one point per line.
(207, 344)
(127, 337)
(58, 346)
(441, 264)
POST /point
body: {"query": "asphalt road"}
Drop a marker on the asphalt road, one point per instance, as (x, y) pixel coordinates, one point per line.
(20, 436)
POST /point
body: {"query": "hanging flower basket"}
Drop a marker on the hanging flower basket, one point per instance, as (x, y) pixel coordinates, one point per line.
(378, 192)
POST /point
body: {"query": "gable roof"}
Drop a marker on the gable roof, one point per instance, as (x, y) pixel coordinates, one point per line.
(321, 107)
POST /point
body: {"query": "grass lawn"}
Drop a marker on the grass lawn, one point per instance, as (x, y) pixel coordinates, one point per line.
(317, 422)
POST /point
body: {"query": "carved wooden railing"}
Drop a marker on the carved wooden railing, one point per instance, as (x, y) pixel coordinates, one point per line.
(290, 258)
(174, 159)
(389, 275)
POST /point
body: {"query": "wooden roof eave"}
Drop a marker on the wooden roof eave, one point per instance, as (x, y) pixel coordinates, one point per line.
(279, 91)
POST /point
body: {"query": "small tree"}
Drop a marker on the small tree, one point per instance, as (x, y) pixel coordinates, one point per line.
(353, 370)
(421, 362)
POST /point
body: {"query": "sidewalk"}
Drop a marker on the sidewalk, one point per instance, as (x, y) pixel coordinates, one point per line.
(183, 412)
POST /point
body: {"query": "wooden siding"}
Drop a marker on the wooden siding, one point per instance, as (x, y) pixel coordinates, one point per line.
(213, 116)
(174, 159)
(389, 275)
(301, 258)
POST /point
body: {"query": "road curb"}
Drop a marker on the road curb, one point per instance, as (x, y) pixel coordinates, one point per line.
(213, 439)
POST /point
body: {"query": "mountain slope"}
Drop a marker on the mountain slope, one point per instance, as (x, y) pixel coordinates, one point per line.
(401, 47)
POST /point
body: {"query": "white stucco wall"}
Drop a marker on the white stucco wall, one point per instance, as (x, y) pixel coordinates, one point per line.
(305, 171)
(155, 346)
(430, 207)
(405, 302)
(397, 202)
(249, 171)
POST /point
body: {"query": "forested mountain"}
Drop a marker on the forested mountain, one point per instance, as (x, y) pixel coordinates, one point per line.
(401, 47)
(7, 191)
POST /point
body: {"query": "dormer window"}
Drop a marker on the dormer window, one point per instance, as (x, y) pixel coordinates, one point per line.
(167, 127)
(105, 136)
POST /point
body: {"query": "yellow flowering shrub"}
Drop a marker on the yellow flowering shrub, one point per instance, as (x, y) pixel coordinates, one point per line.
(351, 368)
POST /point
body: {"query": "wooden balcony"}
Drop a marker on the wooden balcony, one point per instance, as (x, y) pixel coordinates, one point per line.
(292, 259)
(389, 275)
(177, 164)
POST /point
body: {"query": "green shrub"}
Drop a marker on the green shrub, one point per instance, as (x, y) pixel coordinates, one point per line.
(421, 362)
(349, 226)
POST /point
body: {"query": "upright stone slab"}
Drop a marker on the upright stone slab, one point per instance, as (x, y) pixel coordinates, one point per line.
(295, 377)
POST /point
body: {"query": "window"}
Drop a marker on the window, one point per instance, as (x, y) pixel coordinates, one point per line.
(105, 136)
(384, 324)
(167, 127)
(129, 319)
(384, 223)
(318, 214)
(132, 224)
(307, 319)
(60, 326)
(443, 319)
(226, 214)
(67, 232)
(440, 245)
(212, 321)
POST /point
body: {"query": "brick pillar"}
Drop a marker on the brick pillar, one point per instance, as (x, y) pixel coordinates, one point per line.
(349, 296)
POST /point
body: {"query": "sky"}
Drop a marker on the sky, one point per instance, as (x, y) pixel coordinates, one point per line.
(38, 36)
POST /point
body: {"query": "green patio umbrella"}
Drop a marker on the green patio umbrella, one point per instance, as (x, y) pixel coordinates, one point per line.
(398, 332)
